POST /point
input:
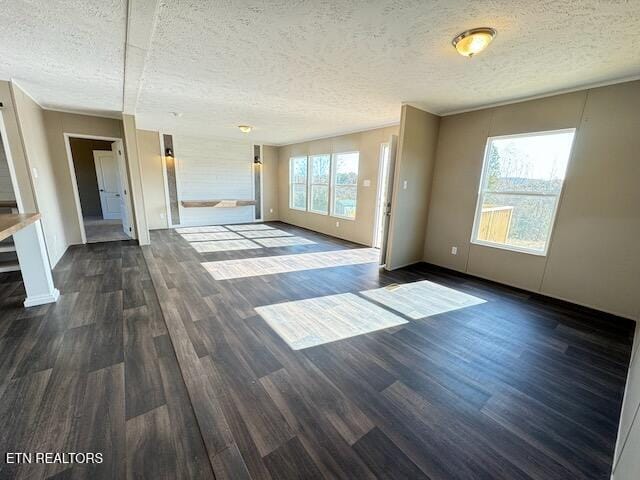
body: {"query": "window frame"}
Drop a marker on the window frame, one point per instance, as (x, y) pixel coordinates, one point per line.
(482, 191)
(332, 199)
(291, 183)
(311, 184)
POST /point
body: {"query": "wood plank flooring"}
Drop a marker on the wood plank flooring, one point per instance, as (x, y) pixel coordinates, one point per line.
(172, 374)
(95, 372)
(518, 387)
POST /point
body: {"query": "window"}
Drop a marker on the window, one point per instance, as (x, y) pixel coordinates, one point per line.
(345, 184)
(298, 183)
(319, 183)
(521, 182)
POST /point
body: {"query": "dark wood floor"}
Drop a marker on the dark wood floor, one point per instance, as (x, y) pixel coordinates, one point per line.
(95, 372)
(518, 387)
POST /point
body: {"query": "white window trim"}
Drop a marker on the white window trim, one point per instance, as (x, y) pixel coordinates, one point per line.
(310, 184)
(291, 184)
(332, 190)
(481, 193)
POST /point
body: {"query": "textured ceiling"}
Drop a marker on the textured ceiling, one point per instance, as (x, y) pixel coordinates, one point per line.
(304, 69)
(67, 54)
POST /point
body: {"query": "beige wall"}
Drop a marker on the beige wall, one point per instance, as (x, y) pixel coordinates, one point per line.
(152, 179)
(412, 186)
(367, 143)
(42, 133)
(84, 166)
(270, 183)
(135, 178)
(46, 177)
(593, 256)
(57, 124)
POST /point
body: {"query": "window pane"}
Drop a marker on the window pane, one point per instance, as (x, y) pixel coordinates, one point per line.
(320, 165)
(535, 163)
(299, 196)
(345, 201)
(299, 170)
(347, 168)
(320, 198)
(521, 221)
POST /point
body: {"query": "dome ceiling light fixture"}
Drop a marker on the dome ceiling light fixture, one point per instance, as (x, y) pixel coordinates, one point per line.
(471, 42)
(245, 128)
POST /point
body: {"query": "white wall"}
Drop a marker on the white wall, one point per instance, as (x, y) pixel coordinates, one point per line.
(213, 169)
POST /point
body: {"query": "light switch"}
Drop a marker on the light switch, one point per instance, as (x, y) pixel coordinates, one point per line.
(35, 172)
(404, 184)
(454, 250)
(366, 183)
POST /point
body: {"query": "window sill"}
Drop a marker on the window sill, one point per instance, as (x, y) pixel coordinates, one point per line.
(298, 209)
(510, 248)
(353, 219)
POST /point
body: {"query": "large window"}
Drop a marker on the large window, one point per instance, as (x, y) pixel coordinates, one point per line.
(319, 183)
(298, 183)
(345, 184)
(325, 177)
(521, 182)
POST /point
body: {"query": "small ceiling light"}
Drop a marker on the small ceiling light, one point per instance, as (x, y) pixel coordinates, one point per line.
(473, 41)
(245, 128)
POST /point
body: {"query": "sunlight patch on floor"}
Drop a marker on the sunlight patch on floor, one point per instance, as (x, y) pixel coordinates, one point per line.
(251, 267)
(315, 321)
(421, 299)
(224, 246)
(283, 241)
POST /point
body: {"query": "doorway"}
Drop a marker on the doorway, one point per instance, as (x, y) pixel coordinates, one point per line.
(382, 195)
(101, 189)
(383, 199)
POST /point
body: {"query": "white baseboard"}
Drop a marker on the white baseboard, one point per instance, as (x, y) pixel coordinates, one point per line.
(42, 299)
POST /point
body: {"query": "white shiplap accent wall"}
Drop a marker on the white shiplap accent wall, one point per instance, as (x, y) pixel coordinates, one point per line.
(213, 169)
(6, 188)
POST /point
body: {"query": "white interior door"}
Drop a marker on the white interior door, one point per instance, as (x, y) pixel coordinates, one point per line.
(108, 183)
(126, 208)
(391, 168)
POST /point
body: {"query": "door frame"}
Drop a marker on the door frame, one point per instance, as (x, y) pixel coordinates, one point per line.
(253, 182)
(74, 181)
(379, 200)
